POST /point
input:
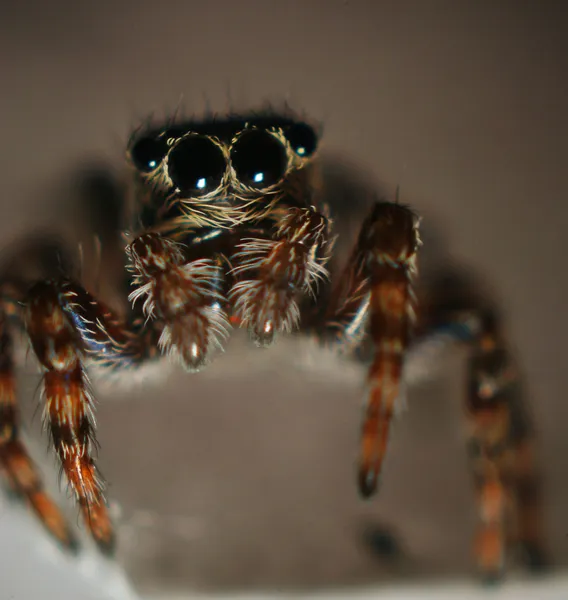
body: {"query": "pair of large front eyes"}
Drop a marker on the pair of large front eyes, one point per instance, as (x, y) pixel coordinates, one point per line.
(196, 165)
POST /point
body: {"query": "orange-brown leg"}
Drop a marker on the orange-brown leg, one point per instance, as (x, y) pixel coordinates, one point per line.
(184, 295)
(393, 240)
(500, 436)
(502, 459)
(374, 298)
(68, 404)
(22, 475)
(274, 274)
(489, 417)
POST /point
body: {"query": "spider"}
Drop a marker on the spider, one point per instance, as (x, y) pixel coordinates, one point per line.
(230, 229)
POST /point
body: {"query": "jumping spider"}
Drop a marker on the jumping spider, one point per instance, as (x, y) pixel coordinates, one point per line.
(233, 231)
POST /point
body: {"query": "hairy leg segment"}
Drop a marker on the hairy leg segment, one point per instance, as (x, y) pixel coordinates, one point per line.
(21, 473)
(501, 456)
(499, 431)
(374, 296)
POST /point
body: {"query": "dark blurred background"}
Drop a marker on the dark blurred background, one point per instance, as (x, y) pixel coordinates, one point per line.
(243, 476)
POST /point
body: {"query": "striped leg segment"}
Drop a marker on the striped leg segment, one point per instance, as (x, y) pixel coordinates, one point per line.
(69, 406)
(184, 295)
(391, 238)
(489, 423)
(374, 296)
(274, 273)
(501, 456)
(389, 324)
(22, 474)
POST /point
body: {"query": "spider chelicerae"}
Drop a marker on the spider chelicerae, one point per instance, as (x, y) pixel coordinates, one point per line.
(230, 228)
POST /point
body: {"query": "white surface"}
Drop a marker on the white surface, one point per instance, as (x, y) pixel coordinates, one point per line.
(32, 567)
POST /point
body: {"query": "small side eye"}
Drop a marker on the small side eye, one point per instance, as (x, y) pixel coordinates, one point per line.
(259, 159)
(147, 154)
(196, 165)
(302, 138)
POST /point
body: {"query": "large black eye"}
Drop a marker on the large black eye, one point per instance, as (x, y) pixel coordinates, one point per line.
(259, 159)
(302, 138)
(196, 165)
(147, 153)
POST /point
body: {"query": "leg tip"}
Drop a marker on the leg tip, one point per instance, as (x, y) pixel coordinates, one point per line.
(72, 545)
(65, 539)
(262, 339)
(368, 482)
(100, 527)
(107, 546)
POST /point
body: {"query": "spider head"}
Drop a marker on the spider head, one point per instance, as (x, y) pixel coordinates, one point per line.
(224, 173)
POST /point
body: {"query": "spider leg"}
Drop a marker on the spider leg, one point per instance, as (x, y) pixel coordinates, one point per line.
(64, 325)
(184, 295)
(488, 413)
(501, 455)
(374, 295)
(500, 436)
(274, 271)
(21, 472)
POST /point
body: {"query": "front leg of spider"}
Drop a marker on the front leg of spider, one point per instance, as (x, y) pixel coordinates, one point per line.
(273, 273)
(183, 295)
(387, 250)
(69, 406)
(16, 464)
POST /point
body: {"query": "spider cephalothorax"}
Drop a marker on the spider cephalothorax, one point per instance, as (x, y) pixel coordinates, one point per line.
(230, 229)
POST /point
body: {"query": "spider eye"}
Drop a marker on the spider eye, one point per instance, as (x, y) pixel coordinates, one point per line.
(196, 165)
(303, 139)
(259, 159)
(147, 154)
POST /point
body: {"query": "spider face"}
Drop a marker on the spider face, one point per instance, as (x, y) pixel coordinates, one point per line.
(224, 172)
